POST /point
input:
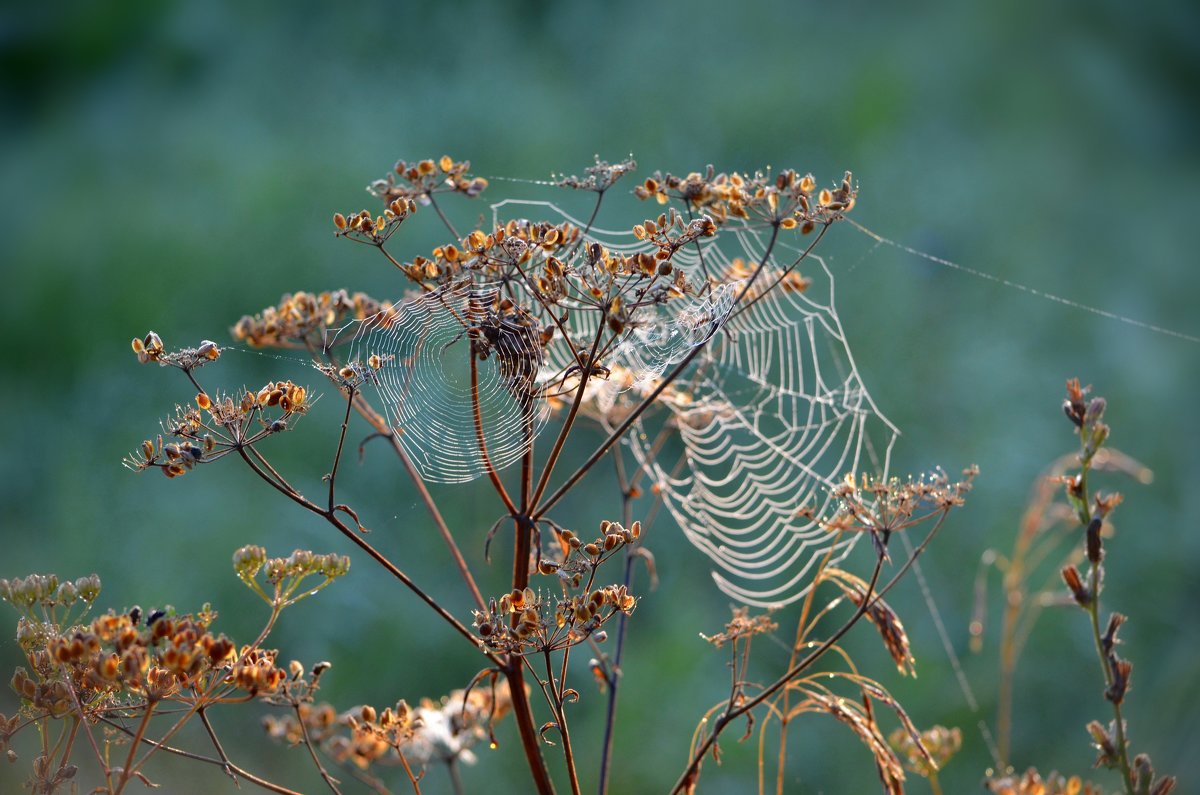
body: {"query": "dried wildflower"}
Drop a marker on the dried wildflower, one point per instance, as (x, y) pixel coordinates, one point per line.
(218, 426)
(786, 198)
(301, 320)
(938, 745)
(421, 180)
(883, 507)
(742, 626)
(363, 227)
(365, 736)
(600, 177)
(150, 349)
(574, 559)
(1032, 783)
(528, 621)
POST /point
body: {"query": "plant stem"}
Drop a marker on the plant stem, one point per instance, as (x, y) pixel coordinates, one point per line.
(1093, 610)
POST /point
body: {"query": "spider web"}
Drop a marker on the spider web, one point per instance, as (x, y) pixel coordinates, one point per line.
(774, 415)
(745, 447)
(417, 353)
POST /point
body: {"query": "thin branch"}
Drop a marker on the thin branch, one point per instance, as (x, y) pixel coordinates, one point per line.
(253, 779)
(312, 752)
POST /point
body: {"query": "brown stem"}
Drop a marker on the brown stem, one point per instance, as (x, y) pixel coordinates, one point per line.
(312, 752)
(482, 442)
(377, 556)
(732, 713)
(212, 735)
(127, 769)
(253, 779)
(613, 672)
(513, 668)
(561, 716)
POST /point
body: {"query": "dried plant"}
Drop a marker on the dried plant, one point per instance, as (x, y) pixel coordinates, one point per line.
(720, 378)
(1062, 503)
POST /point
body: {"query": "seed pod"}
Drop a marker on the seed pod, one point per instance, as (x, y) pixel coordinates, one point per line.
(203, 401)
(339, 220)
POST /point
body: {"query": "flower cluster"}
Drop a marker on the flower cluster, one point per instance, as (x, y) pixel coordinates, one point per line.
(217, 426)
(375, 230)
(939, 746)
(301, 319)
(787, 198)
(363, 736)
(573, 558)
(1032, 783)
(150, 349)
(600, 177)
(741, 627)
(883, 507)
(123, 660)
(541, 623)
(42, 596)
(419, 181)
(287, 575)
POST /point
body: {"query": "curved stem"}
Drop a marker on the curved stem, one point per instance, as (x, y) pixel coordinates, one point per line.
(732, 713)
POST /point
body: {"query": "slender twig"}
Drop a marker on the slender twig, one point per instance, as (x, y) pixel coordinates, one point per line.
(732, 713)
(212, 735)
(433, 203)
(312, 752)
(561, 717)
(337, 456)
(127, 768)
(253, 779)
(612, 674)
(377, 556)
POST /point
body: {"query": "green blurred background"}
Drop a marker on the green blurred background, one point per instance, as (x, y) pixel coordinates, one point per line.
(174, 165)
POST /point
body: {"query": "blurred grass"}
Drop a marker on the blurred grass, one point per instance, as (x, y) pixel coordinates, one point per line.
(174, 165)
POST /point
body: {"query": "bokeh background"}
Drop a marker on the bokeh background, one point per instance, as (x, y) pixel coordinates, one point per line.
(174, 165)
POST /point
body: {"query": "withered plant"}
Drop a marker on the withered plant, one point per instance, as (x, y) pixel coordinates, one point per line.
(1061, 504)
(720, 378)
